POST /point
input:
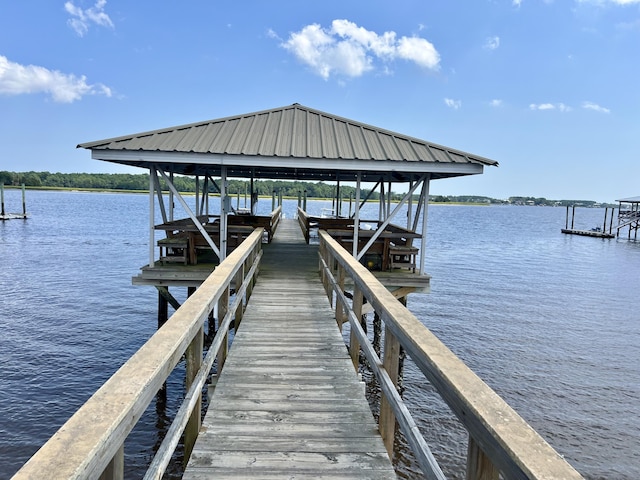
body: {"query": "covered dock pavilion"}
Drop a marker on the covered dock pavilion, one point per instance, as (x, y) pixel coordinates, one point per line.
(293, 142)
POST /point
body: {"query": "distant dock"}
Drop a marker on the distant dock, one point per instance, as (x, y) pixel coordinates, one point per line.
(628, 219)
(588, 233)
(10, 216)
(597, 232)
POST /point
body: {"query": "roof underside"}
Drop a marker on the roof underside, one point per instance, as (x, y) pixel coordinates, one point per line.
(293, 142)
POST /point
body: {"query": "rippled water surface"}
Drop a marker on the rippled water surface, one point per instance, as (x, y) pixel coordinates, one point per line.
(549, 321)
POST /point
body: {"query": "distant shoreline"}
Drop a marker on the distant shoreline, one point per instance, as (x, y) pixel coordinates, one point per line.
(146, 192)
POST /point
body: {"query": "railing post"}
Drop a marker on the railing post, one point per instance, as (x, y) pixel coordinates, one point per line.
(238, 283)
(354, 344)
(341, 313)
(193, 357)
(251, 281)
(391, 363)
(223, 308)
(115, 469)
(479, 465)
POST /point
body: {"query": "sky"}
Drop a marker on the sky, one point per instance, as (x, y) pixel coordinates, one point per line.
(548, 88)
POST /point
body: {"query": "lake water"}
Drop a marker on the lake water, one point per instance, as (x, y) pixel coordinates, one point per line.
(549, 321)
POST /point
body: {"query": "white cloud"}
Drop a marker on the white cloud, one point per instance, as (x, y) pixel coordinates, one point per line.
(550, 106)
(496, 102)
(349, 50)
(455, 104)
(517, 3)
(81, 19)
(492, 43)
(16, 79)
(595, 107)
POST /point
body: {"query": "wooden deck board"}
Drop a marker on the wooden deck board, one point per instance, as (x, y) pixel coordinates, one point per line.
(288, 403)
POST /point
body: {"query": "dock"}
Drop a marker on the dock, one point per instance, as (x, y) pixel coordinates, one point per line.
(288, 401)
(597, 232)
(588, 233)
(286, 398)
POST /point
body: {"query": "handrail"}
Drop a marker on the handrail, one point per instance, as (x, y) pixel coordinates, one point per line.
(91, 442)
(499, 439)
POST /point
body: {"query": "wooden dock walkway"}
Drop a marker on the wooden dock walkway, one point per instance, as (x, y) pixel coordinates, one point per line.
(288, 403)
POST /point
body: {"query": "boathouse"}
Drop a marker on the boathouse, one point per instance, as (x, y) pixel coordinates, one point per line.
(285, 398)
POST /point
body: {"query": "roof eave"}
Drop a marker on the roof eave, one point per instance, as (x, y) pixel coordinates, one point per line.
(146, 159)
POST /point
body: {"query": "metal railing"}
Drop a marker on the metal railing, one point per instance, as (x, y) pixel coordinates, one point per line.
(90, 444)
(500, 441)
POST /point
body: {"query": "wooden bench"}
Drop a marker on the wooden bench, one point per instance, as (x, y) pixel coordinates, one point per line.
(174, 248)
(402, 256)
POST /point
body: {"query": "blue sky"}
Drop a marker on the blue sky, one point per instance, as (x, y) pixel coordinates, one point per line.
(547, 88)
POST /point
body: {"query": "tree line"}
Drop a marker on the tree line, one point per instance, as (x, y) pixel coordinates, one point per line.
(140, 182)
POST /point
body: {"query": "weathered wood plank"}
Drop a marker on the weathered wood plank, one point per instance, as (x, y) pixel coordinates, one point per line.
(289, 443)
(243, 474)
(222, 416)
(288, 462)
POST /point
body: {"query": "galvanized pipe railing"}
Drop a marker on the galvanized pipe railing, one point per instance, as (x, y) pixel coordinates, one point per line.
(500, 441)
(90, 444)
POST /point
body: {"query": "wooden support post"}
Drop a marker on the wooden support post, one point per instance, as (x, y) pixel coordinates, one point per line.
(238, 284)
(24, 202)
(223, 308)
(164, 291)
(377, 333)
(251, 282)
(387, 418)
(613, 210)
(163, 310)
(479, 466)
(193, 357)
(402, 355)
(354, 344)
(341, 314)
(115, 469)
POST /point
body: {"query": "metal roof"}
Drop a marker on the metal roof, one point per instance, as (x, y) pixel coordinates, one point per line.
(629, 200)
(294, 142)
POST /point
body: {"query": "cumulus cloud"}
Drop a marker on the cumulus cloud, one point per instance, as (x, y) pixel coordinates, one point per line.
(492, 43)
(595, 107)
(16, 79)
(81, 19)
(550, 106)
(451, 103)
(349, 50)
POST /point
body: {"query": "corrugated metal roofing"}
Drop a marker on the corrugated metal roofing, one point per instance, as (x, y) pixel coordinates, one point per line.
(291, 131)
